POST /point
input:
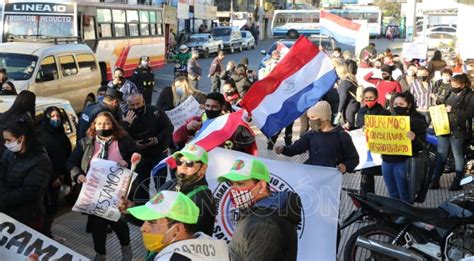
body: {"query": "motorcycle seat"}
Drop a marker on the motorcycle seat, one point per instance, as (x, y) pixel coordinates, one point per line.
(398, 207)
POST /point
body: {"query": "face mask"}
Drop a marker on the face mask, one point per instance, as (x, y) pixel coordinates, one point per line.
(105, 133)
(411, 73)
(139, 111)
(370, 104)
(315, 124)
(456, 90)
(446, 79)
(55, 123)
(229, 93)
(13, 146)
(212, 114)
(423, 78)
(179, 90)
(100, 98)
(154, 242)
(401, 110)
(242, 198)
(144, 63)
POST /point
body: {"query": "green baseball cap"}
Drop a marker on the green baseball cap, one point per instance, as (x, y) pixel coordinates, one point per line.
(168, 204)
(245, 169)
(193, 152)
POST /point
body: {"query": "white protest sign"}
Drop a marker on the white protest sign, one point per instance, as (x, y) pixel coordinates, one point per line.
(367, 159)
(106, 184)
(18, 241)
(319, 190)
(184, 111)
(414, 51)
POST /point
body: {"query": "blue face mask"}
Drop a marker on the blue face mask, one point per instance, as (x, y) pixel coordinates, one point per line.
(100, 98)
(55, 123)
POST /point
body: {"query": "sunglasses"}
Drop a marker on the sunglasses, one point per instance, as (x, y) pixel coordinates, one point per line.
(189, 163)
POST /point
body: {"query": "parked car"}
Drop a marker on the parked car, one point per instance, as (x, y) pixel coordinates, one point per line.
(66, 71)
(205, 44)
(68, 116)
(442, 41)
(442, 29)
(248, 40)
(230, 36)
(327, 42)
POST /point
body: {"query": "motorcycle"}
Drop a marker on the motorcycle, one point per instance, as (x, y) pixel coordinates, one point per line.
(180, 70)
(406, 232)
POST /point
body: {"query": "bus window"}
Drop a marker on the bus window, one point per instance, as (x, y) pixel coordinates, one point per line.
(86, 62)
(132, 21)
(306, 18)
(48, 70)
(144, 23)
(105, 30)
(119, 23)
(372, 17)
(119, 16)
(104, 18)
(89, 28)
(280, 19)
(68, 65)
(119, 30)
(159, 21)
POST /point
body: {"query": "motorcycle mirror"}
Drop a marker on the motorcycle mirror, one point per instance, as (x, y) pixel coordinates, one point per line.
(467, 180)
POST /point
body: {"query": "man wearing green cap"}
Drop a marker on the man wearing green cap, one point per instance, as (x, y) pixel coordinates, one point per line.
(190, 179)
(170, 230)
(267, 226)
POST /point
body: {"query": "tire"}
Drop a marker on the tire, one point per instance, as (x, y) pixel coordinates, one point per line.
(351, 252)
(206, 53)
(293, 34)
(89, 100)
(240, 48)
(232, 49)
(253, 46)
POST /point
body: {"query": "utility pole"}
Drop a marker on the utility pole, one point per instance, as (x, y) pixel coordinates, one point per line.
(231, 12)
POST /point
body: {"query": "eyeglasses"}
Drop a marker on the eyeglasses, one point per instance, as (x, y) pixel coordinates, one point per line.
(189, 163)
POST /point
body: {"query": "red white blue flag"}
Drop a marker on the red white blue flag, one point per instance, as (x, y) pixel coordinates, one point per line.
(343, 30)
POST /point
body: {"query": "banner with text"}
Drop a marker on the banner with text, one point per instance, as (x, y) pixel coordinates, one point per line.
(388, 134)
(106, 184)
(440, 120)
(414, 51)
(187, 109)
(18, 241)
(367, 159)
(319, 190)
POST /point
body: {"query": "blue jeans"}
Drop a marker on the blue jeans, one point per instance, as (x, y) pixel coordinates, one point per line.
(443, 148)
(395, 177)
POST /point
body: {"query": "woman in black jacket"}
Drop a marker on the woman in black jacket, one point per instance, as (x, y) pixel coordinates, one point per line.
(460, 108)
(51, 134)
(394, 170)
(25, 173)
(241, 79)
(347, 90)
(371, 107)
(105, 139)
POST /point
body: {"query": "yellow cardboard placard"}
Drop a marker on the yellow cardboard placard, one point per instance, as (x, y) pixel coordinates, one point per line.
(387, 135)
(440, 120)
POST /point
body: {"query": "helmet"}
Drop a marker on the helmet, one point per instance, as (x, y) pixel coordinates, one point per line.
(183, 48)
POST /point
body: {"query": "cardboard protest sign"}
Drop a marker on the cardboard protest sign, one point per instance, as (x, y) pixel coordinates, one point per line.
(18, 241)
(106, 184)
(184, 111)
(440, 120)
(318, 187)
(367, 159)
(388, 134)
(414, 51)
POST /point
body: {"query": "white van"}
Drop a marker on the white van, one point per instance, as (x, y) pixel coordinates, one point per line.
(66, 71)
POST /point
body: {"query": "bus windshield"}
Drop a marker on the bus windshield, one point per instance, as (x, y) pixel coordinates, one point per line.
(19, 66)
(44, 25)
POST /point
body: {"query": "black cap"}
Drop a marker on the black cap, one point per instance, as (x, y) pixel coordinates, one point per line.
(114, 93)
(387, 68)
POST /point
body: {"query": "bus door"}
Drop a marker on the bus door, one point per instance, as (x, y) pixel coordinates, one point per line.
(88, 30)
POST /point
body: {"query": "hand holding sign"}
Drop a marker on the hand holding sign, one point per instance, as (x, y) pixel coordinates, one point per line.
(136, 158)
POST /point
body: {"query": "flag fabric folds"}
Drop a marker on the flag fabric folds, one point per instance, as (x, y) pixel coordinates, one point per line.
(343, 30)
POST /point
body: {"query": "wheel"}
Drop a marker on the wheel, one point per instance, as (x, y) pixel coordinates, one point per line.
(253, 46)
(89, 100)
(240, 48)
(352, 252)
(293, 34)
(232, 49)
(206, 53)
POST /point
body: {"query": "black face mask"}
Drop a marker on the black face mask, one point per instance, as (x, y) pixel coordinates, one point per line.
(423, 78)
(229, 93)
(212, 114)
(456, 90)
(401, 110)
(105, 133)
(139, 111)
(3, 79)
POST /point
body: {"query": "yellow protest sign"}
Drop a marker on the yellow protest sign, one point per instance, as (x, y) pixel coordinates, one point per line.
(388, 134)
(440, 120)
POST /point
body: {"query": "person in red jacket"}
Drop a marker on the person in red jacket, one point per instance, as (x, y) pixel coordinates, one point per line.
(385, 86)
(242, 140)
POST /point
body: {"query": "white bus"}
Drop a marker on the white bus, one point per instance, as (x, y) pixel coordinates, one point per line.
(119, 34)
(291, 23)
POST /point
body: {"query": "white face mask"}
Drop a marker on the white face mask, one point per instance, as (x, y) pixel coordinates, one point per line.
(144, 63)
(411, 73)
(179, 90)
(13, 146)
(446, 79)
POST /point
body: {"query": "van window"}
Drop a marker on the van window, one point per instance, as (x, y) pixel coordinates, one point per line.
(48, 70)
(68, 65)
(86, 62)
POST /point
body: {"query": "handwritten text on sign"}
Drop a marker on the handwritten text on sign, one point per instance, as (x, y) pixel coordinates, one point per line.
(388, 134)
(106, 184)
(17, 242)
(187, 109)
(440, 120)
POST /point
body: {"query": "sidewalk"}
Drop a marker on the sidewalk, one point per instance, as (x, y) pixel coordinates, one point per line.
(71, 225)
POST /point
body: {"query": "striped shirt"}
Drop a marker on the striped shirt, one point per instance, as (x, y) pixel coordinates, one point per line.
(422, 94)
